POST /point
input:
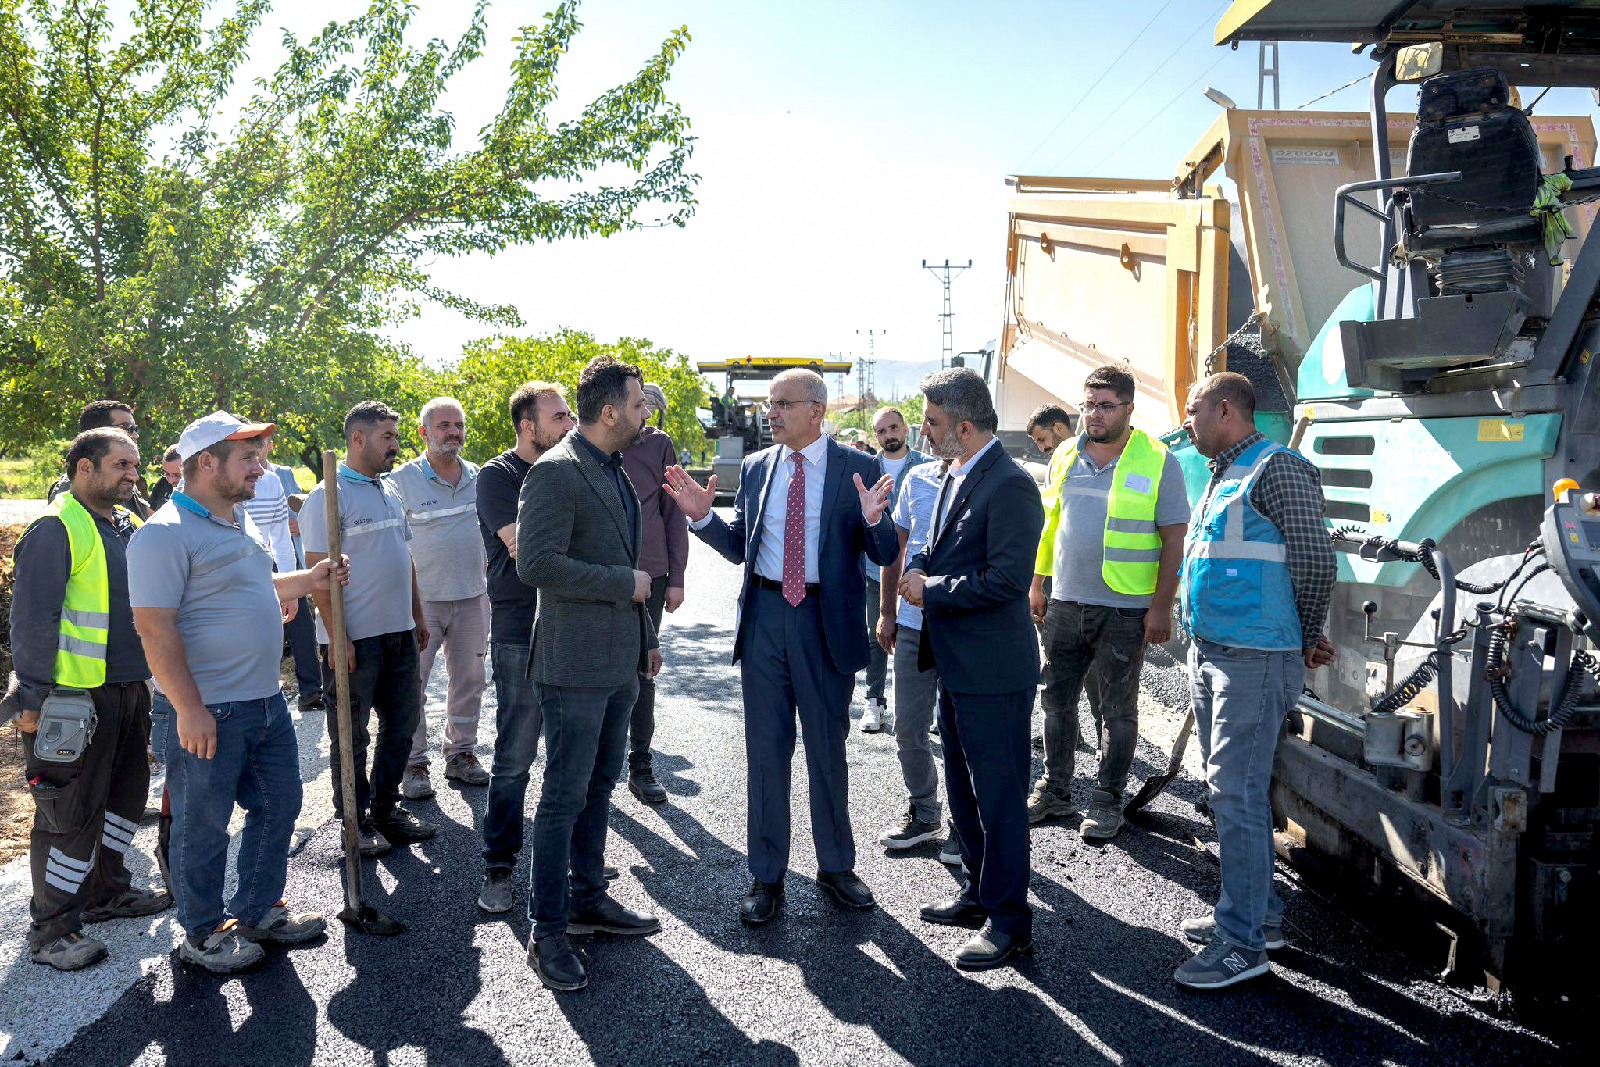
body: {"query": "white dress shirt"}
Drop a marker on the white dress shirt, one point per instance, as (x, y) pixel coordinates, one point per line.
(769, 542)
(953, 479)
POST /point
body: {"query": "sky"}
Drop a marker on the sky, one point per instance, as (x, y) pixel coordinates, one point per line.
(839, 146)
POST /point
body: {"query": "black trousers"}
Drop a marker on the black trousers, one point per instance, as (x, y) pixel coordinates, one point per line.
(642, 722)
(383, 680)
(86, 813)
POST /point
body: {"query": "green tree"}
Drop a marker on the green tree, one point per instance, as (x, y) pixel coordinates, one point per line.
(161, 244)
(492, 369)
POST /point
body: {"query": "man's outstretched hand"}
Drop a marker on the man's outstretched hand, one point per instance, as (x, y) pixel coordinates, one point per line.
(874, 498)
(692, 498)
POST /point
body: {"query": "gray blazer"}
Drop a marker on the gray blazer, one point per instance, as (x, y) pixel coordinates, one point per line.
(572, 546)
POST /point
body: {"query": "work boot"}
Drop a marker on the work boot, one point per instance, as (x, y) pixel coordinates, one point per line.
(285, 927)
(69, 952)
(131, 903)
(1104, 818)
(642, 784)
(404, 828)
(222, 951)
(369, 842)
(417, 785)
(464, 767)
(1045, 803)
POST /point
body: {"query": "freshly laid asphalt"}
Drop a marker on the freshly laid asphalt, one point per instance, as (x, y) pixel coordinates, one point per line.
(817, 986)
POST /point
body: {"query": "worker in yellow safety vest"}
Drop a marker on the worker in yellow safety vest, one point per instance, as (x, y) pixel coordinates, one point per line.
(83, 690)
(1113, 542)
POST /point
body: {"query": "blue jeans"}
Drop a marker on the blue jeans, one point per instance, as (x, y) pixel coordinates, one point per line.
(257, 766)
(1241, 699)
(161, 713)
(585, 744)
(518, 720)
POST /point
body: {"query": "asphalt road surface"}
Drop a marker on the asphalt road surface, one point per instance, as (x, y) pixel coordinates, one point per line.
(817, 986)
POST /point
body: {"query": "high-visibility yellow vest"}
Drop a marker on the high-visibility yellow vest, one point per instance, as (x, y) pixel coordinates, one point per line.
(1132, 546)
(86, 609)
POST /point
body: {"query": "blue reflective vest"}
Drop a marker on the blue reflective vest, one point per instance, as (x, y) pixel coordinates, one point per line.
(1236, 586)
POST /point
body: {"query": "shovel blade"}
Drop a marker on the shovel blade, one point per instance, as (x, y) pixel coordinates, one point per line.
(370, 920)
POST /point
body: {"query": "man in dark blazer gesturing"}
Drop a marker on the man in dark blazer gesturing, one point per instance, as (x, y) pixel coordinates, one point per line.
(804, 514)
(971, 581)
(578, 534)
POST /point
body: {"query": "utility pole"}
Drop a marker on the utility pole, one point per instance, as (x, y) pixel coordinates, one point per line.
(945, 272)
(1267, 69)
(867, 369)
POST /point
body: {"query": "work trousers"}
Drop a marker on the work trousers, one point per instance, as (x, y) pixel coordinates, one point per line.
(1109, 641)
(518, 719)
(85, 813)
(461, 628)
(986, 761)
(785, 670)
(383, 680)
(916, 694)
(585, 739)
(257, 767)
(642, 722)
(878, 665)
(1241, 698)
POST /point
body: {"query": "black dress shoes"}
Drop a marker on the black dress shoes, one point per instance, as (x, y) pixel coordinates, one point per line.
(957, 911)
(606, 916)
(991, 948)
(846, 888)
(761, 903)
(558, 963)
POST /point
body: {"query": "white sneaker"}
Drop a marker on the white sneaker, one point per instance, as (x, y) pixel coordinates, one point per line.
(872, 719)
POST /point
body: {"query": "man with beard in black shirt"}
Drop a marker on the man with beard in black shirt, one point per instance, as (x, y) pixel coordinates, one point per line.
(540, 414)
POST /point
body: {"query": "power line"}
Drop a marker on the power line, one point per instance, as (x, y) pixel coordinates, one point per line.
(1073, 110)
(1157, 69)
(1339, 89)
(1159, 112)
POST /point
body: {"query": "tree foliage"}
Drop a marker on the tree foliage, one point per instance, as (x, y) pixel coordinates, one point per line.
(163, 243)
(491, 370)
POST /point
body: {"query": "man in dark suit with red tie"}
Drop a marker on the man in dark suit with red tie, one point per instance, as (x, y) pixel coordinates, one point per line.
(971, 581)
(805, 512)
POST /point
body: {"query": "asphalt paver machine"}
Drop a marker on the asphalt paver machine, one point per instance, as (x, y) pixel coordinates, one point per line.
(1452, 406)
(738, 422)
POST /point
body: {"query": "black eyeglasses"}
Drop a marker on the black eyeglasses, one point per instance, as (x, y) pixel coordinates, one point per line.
(132, 429)
(1105, 407)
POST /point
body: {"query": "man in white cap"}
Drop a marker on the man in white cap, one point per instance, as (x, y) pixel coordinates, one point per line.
(663, 554)
(208, 608)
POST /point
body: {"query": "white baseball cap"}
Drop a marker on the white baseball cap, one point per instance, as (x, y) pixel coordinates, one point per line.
(202, 433)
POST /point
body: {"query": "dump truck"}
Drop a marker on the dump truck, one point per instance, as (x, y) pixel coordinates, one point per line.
(1415, 293)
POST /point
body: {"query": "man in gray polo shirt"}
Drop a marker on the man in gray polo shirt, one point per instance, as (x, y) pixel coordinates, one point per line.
(383, 619)
(208, 609)
(1113, 539)
(440, 492)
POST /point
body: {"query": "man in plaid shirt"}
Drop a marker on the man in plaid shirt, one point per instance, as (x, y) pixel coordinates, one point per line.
(1258, 572)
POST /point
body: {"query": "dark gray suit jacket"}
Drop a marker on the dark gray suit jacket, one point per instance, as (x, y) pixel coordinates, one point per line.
(573, 546)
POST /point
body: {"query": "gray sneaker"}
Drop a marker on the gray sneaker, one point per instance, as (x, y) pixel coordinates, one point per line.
(224, 951)
(416, 785)
(950, 851)
(1202, 930)
(1044, 803)
(69, 952)
(911, 832)
(465, 768)
(1220, 965)
(1104, 818)
(498, 889)
(285, 927)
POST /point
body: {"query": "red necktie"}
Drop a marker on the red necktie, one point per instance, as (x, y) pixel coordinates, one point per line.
(794, 535)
